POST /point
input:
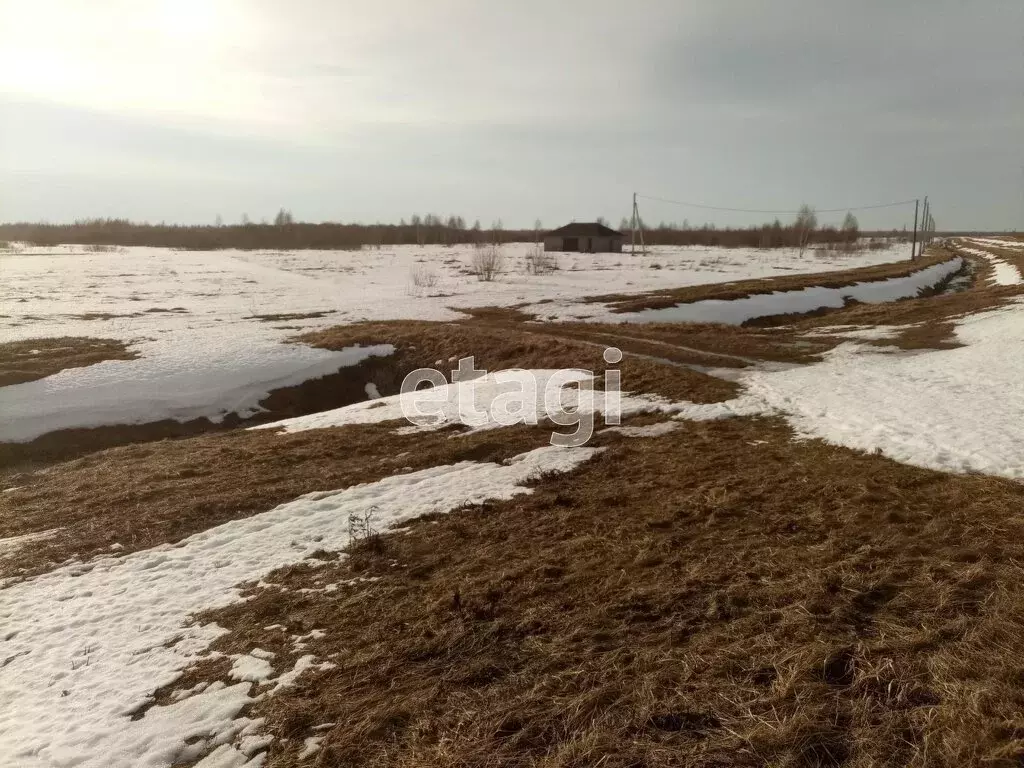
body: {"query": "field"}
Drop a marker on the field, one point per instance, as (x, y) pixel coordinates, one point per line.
(221, 544)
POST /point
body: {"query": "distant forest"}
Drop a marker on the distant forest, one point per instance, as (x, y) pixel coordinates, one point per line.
(286, 233)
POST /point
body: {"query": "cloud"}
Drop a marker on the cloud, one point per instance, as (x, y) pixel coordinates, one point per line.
(348, 110)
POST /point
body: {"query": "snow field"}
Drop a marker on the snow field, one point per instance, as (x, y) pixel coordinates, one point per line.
(957, 410)
(83, 647)
(207, 348)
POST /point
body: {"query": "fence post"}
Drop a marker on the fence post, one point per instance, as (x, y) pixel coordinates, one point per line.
(913, 243)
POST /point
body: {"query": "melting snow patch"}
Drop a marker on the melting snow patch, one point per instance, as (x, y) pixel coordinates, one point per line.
(310, 747)
(160, 385)
(251, 668)
(287, 679)
(651, 430)
(11, 545)
(125, 621)
(957, 410)
(867, 333)
(498, 399)
(1005, 272)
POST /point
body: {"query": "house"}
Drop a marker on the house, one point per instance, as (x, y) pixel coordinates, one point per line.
(584, 237)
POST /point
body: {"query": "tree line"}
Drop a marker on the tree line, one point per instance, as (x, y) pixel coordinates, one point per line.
(800, 233)
(284, 232)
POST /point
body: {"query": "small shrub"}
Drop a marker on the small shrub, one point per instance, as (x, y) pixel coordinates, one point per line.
(539, 261)
(423, 276)
(488, 263)
(363, 536)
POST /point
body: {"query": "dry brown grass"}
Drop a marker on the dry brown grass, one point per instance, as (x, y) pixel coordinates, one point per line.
(930, 319)
(139, 496)
(132, 495)
(33, 359)
(285, 316)
(743, 288)
(505, 343)
(419, 344)
(720, 596)
(706, 344)
(1014, 256)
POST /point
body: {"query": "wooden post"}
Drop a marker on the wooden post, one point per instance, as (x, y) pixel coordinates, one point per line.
(924, 220)
(632, 241)
(913, 243)
(640, 225)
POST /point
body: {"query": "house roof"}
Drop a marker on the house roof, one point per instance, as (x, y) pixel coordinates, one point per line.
(585, 229)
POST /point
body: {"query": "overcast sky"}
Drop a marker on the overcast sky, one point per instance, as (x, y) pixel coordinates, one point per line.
(180, 110)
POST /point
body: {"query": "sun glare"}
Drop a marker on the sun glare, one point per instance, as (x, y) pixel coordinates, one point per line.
(187, 20)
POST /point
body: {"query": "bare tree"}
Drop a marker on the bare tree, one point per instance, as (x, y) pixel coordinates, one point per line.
(219, 221)
(804, 226)
(283, 218)
(497, 231)
(417, 223)
(537, 227)
(850, 229)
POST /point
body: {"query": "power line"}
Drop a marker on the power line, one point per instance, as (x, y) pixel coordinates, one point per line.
(755, 210)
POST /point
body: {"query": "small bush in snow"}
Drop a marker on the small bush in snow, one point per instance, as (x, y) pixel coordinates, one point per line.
(488, 263)
(362, 534)
(539, 262)
(423, 276)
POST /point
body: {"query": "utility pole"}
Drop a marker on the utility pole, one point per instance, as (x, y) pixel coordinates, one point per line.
(913, 243)
(924, 224)
(632, 241)
(638, 224)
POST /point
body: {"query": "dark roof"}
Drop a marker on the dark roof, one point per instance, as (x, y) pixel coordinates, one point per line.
(585, 229)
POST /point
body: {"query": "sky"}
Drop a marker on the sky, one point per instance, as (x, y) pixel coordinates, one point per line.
(186, 110)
